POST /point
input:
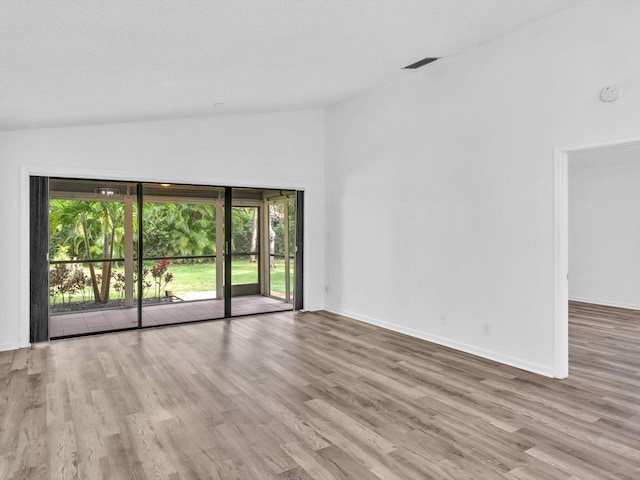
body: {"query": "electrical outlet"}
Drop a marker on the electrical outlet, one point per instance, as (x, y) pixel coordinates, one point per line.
(443, 319)
(487, 329)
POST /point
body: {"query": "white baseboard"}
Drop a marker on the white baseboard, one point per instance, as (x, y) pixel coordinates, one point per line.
(446, 342)
(606, 303)
(8, 346)
(314, 308)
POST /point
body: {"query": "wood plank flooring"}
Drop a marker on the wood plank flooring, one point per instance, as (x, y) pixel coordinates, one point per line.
(317, 396)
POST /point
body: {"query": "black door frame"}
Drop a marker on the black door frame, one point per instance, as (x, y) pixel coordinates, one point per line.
(228, 196)
(39, 259)
(298, 299)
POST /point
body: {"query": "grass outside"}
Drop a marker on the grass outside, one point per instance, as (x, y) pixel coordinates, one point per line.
(199, 278)
(277, 281)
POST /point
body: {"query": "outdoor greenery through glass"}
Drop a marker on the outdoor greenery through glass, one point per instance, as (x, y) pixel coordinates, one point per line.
(81, 231)
(277, 251)
(244, 241)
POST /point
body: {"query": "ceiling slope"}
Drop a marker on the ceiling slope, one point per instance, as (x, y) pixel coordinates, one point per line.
(71, 62)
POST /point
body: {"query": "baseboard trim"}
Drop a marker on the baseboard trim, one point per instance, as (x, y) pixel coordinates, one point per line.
(446, 342)
(314, 308)
(4, 347)
(606, 303)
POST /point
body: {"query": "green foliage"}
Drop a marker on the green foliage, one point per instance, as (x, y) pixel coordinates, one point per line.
(61, 252)
(179, 229)
(87, 229)
(84, 230)
(241, 226)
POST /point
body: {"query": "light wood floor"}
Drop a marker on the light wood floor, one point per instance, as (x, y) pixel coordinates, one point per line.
(316, 396)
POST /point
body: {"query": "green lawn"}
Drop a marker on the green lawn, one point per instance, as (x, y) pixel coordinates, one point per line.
(277, 277)
(202, 277)
(193, 278)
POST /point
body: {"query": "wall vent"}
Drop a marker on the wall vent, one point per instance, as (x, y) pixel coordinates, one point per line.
(422, 63)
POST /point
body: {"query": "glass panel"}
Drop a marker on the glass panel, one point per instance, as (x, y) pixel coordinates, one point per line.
(282, 223)
(275, 236)
(91, 276)
(276, 250)
(245, 257)
(179, 255)
(244, 270)
(94, 254)
(177, 291)
(245, 246)
(292, 248)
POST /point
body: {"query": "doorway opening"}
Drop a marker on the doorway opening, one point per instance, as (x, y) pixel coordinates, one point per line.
(125, 255)
(586, 221)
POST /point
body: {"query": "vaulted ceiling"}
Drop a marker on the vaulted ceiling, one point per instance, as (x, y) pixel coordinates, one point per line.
(70, 62)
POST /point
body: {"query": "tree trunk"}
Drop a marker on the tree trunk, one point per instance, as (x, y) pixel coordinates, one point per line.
(106, 269)
(92, 270)
(272, 246)
(254, 235)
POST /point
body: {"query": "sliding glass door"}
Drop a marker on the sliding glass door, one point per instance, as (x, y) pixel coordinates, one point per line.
(179, 254)
(126, 255)
(259, 274)
(91, 256)
(282, 247)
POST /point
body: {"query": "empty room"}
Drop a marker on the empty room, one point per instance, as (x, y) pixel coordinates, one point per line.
(318, 239)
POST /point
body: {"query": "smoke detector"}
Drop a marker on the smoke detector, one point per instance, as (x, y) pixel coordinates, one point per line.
(610, 94)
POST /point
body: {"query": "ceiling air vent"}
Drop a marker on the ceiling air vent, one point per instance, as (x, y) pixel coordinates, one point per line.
(422, 63)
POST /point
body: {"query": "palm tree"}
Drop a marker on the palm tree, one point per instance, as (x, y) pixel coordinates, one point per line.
(90, 228)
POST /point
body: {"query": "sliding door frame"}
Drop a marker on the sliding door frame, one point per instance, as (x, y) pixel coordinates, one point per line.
(140, 250)
(39, 259)
(298, 298)
(228, 198)
(38, 234)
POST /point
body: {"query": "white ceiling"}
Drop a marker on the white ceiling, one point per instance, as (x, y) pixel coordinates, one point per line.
(67, 62)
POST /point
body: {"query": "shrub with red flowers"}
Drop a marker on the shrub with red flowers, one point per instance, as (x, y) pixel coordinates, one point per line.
(66, 280)
(161, 276)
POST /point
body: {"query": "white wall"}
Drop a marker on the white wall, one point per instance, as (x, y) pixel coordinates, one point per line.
(604, 229)
(440, 184)
(264, 150)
